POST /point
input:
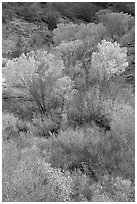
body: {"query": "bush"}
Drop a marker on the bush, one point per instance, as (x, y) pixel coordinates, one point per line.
(39, 79)
(128, 38)
(9, 127)
(76, 150)
(87, 108)
(12, 128)
(91, 32)
(34, 181)
(115, 148)
(117, 24)
(69, 32)
(102, 12)
(110, 60)
(9, 121)
(44, 127)
(81, 187)
(27, 178)
(124, 114)
(123, 189)
(89, 67)
(116, 152)
(70, 52)
(64, 33)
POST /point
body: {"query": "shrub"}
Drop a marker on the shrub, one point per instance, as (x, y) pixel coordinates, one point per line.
(69, 32)
(9, 126)
(89, 107)
(115, 148)
(44, 127)
(10, 157)
(76, 150)
(38, 79)
(83, 108)
(117, 24)
(25, 140)
(26, 177)
(126, 7)
(70, 52)
(11, 122)
(9, 45)
(123, 114)
(7, 12)
(96, 66)
(116, 153)
(64, 33)
(33, 180)
(22, 126)
(102, 12)
(91, 32)
(12, 128)
(128, 38)
(81, 187)
(110, 59)
(123, 189)
(19, 67)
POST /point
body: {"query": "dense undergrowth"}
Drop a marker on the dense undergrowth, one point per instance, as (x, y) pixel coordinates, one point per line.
(68, 124)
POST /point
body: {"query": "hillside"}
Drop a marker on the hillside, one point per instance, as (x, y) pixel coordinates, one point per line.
(68, 108)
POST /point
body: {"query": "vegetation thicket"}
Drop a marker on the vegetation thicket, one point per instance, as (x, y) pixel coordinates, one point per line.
(68, 125)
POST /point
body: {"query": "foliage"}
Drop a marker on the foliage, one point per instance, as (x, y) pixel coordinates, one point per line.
(26, 177)
(9, 121)
(19, 66)
(70, 53)
(45, 127)
(122, 188)
(108, 61)
(31, 12)
(126, 7)
(7, 12)
(102, 12)
(64, 32)
(87, 108)
(20, 37)
(69, 32)
(118, 147)
(128, 38)
(75, 150)
(9, 45)
(12, 127)
(71, 132)
(92, 32)
(88, 65)
(81, 187)
(82, 11)
(49, 15)
(92, 152)
(39, 77)
(124, 114)
(117, 24)
(33, 180)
